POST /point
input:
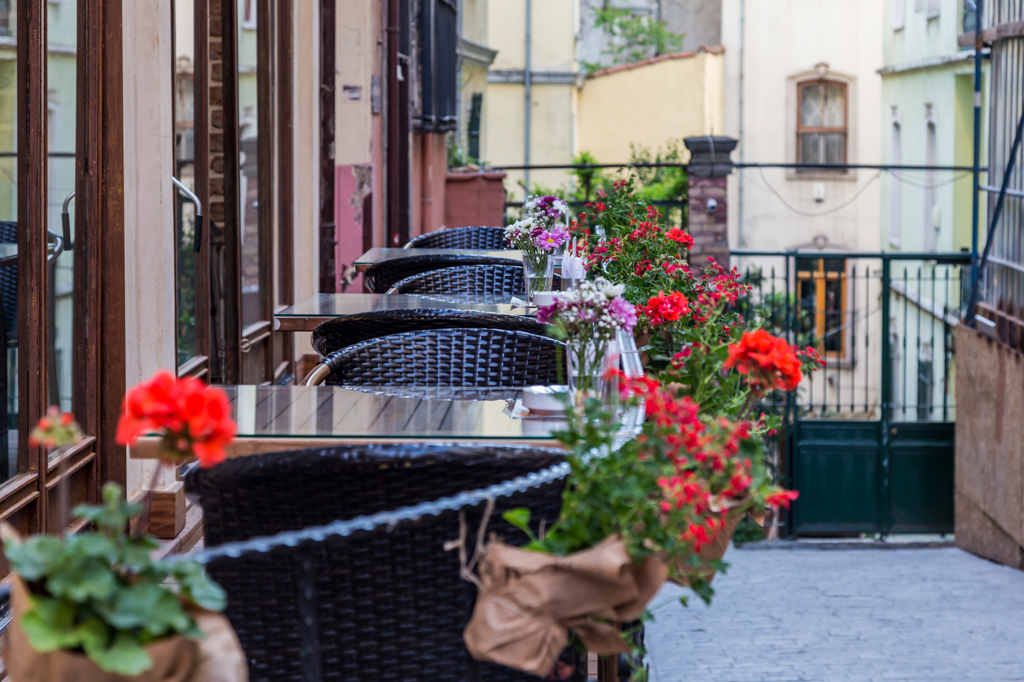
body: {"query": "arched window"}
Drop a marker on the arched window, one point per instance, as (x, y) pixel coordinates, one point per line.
(821, 131)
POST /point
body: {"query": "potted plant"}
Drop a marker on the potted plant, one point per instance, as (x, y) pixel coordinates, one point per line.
(96, 606)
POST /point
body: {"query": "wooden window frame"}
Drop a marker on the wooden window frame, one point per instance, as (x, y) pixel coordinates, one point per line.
(801, 129)
(820, 278)
(31, 499)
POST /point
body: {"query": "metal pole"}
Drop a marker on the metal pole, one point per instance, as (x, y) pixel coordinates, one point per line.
(886, 400)
(975, 203)
(527, 82)
(976, 277)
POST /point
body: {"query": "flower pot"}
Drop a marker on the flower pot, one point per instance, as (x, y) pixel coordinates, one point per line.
(527, 602)
(218, 657)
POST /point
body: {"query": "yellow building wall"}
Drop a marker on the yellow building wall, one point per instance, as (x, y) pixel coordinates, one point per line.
(651, 104)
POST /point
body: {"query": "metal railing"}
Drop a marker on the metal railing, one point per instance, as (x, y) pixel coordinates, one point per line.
(882, 321)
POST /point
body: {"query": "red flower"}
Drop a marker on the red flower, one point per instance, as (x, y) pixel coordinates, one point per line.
(766, 360)
(194, 419)
(677, 235)
(666, 307)
(781, 498)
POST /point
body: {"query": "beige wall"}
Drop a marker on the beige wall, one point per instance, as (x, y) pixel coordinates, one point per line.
(784, 41)
(553, 105)
(356, 41)
(683, 95)
(306, 156)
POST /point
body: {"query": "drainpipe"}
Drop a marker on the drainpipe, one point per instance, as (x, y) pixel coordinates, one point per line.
(527, 77)
(977, 142)
(743, 140)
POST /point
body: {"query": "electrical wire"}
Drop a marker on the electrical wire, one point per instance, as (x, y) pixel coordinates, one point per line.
(810, 214)
(926, 186)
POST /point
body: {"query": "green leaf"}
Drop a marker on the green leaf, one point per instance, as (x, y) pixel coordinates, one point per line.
(520, 518)
(49, 625)
(197, 586)
(93, 634)
(124, 656)
(79, 581)
(145, 606)
(34, 558)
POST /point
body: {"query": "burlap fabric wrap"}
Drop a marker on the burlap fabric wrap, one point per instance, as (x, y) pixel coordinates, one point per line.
(218, 657)
(528, 601)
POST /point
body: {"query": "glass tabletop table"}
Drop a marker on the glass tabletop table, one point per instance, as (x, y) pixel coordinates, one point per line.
(378, 255)
(272, 418)
(306, 315)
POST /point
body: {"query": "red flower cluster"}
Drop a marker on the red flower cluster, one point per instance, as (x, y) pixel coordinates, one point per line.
(768, 361)
(677, 235)
(665, 308)
(194, 419)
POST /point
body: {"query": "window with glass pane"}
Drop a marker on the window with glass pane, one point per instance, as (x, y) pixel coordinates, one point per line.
(62, 88)
(821, 283)
(248, 190)
(185, 211)
(821, 122)
(9, 245)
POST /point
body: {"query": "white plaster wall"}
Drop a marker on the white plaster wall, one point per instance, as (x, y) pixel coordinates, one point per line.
(149, 201)
(784, 38)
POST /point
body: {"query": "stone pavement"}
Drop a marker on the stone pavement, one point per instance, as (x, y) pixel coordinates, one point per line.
(854, 615)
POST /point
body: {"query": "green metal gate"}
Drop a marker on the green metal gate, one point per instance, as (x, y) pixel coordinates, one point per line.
(869, 440)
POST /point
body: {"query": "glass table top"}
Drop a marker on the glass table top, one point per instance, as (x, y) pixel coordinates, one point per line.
(378, 255)
(307, 314)
(317, 413)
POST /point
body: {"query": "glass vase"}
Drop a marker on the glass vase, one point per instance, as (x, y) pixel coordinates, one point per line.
(581, 368)
(538, 271)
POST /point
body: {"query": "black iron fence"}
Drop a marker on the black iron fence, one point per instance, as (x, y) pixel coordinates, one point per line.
(883, 323)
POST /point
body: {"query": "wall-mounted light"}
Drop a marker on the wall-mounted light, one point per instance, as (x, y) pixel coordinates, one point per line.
(711, 206)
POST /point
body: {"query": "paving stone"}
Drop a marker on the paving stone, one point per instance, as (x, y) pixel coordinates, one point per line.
(858, 615)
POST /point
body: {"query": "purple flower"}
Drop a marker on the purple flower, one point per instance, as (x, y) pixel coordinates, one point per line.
(624, 310)
(549, 241)
(545, 312)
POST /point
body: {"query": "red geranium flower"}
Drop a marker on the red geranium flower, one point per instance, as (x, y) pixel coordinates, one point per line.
(677, 235)
(193, 418)
(768, 361)
(666, 307)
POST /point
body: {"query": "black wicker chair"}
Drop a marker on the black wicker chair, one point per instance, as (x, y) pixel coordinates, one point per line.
(461, 358)
(495, 280)
(380, 277)
(341, 332)
(461, 238)
(386, 606)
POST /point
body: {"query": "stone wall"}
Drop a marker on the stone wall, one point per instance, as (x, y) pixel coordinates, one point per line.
(989, 448)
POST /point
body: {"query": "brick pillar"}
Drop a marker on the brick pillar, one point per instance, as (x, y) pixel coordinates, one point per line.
(707, 173)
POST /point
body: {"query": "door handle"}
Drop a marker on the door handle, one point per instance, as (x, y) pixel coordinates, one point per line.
(197, 239)
(65, 219)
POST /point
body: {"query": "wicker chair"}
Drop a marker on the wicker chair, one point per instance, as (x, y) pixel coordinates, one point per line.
(380, 277)
(388, 605)
(489, 238)
(496, 280)
(341, 332)
(462, 358)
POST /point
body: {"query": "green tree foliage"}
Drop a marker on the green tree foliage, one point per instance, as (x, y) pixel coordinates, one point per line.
(634, 38)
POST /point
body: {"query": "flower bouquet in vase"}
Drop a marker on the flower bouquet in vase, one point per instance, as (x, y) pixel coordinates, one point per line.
(540, 234)
(96, 606)
(589, 319)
